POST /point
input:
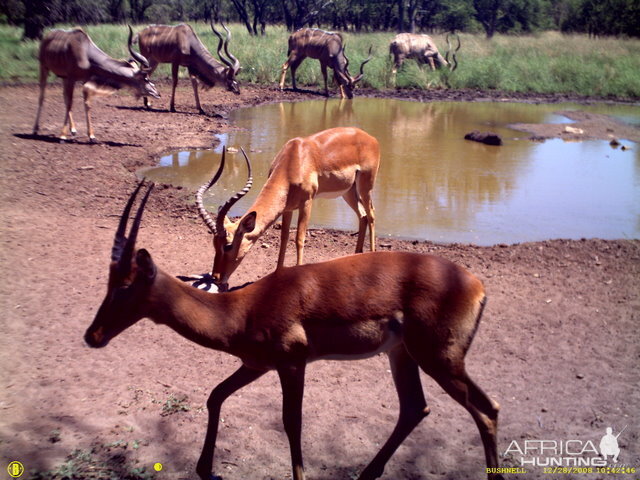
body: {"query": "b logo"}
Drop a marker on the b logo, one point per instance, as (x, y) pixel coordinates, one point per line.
(15, 469)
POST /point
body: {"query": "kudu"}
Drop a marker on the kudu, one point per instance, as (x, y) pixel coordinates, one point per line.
(336, 162)
(180, 46)
(328, 48)
(422, 310)
(72, 55)
(420, 47)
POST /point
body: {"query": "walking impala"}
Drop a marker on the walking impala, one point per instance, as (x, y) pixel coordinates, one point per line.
(328, 48)
(331, 163)
(180, 46)
(72, 55)
(422, 310)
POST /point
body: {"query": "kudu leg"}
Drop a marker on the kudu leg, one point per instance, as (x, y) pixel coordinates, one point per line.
(67, 92)
(240, 378)
(86, 94)
(413, 408)
(292, 381)
(152, 68)
(194, 84)
(284, 236)
(174, 77)
(44, 73)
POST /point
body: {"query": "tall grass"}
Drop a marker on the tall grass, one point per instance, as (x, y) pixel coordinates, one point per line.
(545, 63)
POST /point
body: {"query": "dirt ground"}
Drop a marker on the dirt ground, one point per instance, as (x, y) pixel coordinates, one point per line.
(558, 346)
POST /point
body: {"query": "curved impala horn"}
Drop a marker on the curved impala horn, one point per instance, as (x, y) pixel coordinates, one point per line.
(123, 247)
(201, 210)
(220, 44)
(236, 63)
(138, 57)
(222, 212)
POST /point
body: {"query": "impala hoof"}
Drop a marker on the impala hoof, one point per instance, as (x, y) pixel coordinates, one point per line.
(93, 139)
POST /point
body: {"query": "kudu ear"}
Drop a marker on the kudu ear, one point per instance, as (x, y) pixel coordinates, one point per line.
(248, 223)
(146, 268)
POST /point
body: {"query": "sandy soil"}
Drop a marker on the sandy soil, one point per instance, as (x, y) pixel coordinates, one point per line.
(558, 346)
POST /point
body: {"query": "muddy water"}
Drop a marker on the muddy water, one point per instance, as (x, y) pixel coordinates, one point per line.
(435, 185)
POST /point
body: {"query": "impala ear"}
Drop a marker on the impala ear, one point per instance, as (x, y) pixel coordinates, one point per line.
(146, 267)
(248, 223)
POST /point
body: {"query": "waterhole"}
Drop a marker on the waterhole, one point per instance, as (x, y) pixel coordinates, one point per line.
(435, 185)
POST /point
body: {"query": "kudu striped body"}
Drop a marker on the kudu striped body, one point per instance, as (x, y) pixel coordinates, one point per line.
(328, 48)
(180, 46)
(336, 162)
(72, 55)
(422, 48)
(422, 310)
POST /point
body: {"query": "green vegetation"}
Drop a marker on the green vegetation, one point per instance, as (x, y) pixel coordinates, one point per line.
(549, 62)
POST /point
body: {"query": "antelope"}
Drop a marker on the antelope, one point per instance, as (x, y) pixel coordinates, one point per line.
(421, 310)
(180, 46)
(328, 48)
(336, 162)
(72, 55)
(420, 47)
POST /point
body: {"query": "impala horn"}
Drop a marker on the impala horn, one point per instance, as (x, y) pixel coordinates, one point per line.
(209, 222)
(222, 212)
(122, 251)
(138, 57)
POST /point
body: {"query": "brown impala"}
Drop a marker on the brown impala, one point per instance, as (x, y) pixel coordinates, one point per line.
(180, 46)
(422, 310)
(422, 48)
(331, 163)
(328, 48)
(72, 55)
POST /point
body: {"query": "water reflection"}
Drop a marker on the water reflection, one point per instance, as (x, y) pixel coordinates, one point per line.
(435, 185)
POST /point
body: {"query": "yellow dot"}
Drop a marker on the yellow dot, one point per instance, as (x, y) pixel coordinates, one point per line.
(15, 469)
(157, 467)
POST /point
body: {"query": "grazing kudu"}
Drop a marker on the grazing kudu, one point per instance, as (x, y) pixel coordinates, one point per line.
(328, 48)
(421, 310)
(422, 48)
(72, 55)
(336, 162)
(180, 46)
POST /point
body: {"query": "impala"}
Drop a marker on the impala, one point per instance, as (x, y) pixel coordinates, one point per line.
(422, 310)
(420, 47)
(72, 55)
(180, 46)
(328, 48)
(335, 162)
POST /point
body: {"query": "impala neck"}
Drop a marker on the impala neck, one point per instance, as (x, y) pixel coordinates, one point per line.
(210, 320)
(269, 205)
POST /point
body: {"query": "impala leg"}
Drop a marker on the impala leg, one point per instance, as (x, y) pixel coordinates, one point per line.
(194, 84)
(304, 213)
(174, 77)
(240, 378)
(292, 381)
(351, 197)
(364, 183)
(284, 236)
(44, 73)
(483, 409)
(67, 92)
(413, 408)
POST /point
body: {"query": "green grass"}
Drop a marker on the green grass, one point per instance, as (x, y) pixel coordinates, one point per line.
(545, 63)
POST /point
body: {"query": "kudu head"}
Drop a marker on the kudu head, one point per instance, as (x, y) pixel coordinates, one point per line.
(131, 273)
(142, 85)
(232, 63)
(344, 78)
(454, 61)
(230, 241)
